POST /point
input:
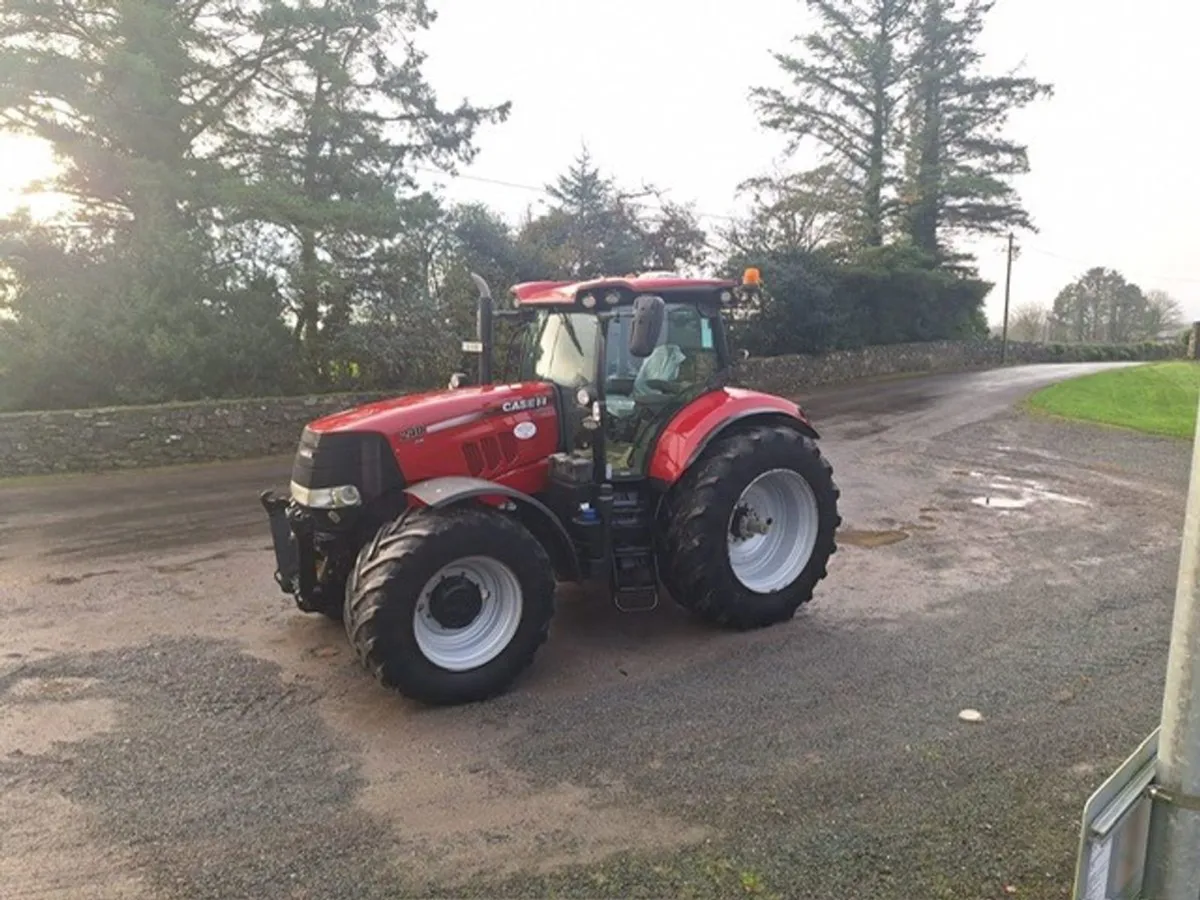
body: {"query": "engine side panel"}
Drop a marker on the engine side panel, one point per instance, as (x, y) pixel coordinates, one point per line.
(696, 424)
(503, 433)
(499, 442)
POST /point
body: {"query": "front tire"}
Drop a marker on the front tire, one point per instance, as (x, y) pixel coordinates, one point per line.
(450, 606)
(751, 528)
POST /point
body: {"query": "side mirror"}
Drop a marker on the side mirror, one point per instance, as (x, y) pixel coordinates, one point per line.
(743, 355)
(649, 313)
(456, 380)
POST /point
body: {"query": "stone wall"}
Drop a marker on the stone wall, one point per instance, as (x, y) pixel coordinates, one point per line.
(36, 443)
(793, 375)
(89, 440)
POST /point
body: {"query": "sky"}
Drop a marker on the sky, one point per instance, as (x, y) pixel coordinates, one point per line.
(658, 91)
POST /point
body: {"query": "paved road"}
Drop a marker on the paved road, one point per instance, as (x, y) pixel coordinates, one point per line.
(169, 727)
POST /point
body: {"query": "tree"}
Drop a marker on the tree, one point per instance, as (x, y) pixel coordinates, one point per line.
(846, 88)
(820, 300)
(128, 95)
(959, 163)
(90, 323)
(1029, 322)
(229, 163)
(1163, 316)
(672, 239)
(801, 211)
(595, 229)
(341, 120)
(1101, 307)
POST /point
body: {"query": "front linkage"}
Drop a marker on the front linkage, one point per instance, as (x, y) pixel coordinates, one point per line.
(310, 562)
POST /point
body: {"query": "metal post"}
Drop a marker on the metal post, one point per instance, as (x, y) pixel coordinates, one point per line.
(1173, 854)
(1007, 287)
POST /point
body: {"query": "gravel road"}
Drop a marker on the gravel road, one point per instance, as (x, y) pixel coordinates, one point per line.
(170, 727)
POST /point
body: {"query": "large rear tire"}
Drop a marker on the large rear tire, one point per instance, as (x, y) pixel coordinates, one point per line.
(751, 528)
(450, 606)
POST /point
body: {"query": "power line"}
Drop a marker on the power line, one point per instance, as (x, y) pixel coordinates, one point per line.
(456, 176)
(544, 192)
(1092, 263)
(453, 176)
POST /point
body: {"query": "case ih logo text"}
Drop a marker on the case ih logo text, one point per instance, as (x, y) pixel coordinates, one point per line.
(528, 403)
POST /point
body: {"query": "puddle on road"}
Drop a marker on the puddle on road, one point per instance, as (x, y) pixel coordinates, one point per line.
(1002, 502)
(869, 540)
(1019, 493)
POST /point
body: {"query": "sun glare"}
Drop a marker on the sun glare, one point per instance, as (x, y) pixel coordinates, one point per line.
(24, 161)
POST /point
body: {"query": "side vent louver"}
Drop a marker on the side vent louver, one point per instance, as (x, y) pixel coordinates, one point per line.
(490, 454)
(474, 460)
(508, 446)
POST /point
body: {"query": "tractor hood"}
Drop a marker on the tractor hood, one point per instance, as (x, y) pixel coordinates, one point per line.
(435, 409)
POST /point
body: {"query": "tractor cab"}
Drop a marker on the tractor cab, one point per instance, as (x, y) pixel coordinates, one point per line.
(617, 399)
(624, 355)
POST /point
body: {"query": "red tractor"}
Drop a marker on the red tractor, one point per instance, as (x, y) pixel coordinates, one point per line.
(436, 525)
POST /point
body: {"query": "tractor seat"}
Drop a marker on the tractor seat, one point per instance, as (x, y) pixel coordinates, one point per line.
(661, 365)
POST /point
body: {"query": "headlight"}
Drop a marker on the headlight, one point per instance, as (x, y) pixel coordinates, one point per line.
(327, 498)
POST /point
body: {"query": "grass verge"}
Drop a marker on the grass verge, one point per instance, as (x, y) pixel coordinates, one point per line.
(1155, 399)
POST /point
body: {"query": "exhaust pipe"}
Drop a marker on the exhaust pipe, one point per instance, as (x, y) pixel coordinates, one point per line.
(483, 328)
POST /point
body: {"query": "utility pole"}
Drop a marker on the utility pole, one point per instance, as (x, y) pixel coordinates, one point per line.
(1007, 289)
(1173, 852)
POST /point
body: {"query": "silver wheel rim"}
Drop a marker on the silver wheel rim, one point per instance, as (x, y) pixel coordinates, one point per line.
(488, 634)
(773, 531)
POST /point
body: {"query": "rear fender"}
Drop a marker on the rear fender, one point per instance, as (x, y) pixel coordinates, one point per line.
(439, 493)
(716, 414)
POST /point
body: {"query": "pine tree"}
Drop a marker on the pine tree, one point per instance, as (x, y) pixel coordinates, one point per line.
(847, 85)
(595, 229)
(126, 302)
(592, 223)
(342, 120)
(222, 156)
(959, 163)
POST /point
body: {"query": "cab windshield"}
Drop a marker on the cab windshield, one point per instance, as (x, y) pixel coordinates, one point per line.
(564, 350)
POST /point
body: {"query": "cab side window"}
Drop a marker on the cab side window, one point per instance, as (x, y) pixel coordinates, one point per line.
(562, 349)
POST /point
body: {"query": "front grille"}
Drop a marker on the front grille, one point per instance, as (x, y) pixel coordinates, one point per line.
(363, 459)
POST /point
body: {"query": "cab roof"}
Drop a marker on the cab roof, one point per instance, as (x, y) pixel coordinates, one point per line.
(568, 293)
